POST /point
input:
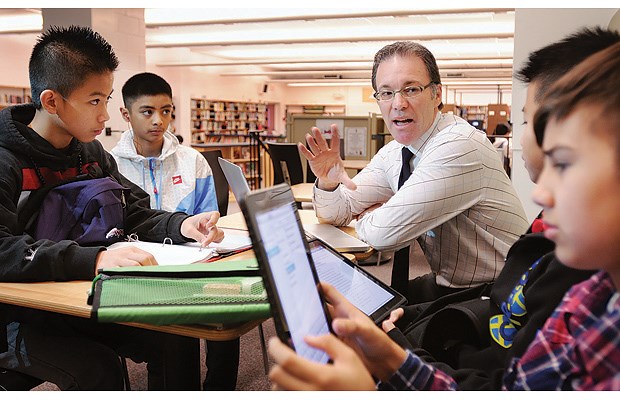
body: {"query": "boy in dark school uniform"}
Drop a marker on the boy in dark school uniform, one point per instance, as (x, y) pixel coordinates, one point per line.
(52, 140)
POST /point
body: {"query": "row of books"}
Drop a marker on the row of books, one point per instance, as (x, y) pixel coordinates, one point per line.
(227, 115)
(201, 137)
(231, 127)
(227, 106)
(15, 99)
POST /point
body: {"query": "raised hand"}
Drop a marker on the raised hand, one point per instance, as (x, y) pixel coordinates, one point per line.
(324, 161)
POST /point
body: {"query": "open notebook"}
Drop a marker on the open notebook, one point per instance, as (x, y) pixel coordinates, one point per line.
(188, 253)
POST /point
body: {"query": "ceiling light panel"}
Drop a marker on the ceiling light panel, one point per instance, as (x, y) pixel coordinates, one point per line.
(303, 45)
(327, 30)
(209, 13)
(323, 65)
(359, 50)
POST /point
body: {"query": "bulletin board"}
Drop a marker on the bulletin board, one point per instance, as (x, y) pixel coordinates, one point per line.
(355, 133)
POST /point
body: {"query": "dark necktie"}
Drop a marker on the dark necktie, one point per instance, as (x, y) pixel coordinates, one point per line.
(400, 265)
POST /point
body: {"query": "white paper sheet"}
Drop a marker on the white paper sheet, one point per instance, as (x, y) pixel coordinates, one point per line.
(188, 253)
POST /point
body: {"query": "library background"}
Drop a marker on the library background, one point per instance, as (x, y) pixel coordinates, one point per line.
(243, 79)
(247, 80)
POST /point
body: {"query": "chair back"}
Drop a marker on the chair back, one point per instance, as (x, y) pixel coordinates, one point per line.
(310, 177)
(221, 184)
(286, 163)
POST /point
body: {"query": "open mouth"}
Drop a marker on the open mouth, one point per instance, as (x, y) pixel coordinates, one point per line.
(401, 122)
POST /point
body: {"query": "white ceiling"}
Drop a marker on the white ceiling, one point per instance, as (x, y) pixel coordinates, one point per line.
(318, 46)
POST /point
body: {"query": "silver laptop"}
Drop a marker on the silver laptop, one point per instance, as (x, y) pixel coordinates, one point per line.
(336, 238)
(235, 177)
(329, 234)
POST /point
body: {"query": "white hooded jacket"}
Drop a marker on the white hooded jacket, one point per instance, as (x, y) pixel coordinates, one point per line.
(180, 179)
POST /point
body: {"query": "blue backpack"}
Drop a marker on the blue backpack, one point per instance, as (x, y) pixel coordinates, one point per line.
(88, 210)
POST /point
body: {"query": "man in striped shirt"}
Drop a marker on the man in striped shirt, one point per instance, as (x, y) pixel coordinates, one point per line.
(457, 202)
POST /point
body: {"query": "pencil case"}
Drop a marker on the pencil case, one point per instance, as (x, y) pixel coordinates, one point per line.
(222, 293)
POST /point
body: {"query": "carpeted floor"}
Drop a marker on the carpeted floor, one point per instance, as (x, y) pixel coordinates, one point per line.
(252, 374)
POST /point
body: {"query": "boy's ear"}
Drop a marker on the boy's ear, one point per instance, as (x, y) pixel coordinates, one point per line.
(125, 114)
(49, 101)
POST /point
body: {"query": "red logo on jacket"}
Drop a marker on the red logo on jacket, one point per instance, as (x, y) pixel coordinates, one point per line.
(177, 179)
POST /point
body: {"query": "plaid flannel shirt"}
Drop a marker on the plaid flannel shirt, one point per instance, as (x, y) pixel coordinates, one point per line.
(577, 349)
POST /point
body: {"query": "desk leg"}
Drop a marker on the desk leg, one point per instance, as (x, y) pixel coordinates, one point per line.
(263, 348)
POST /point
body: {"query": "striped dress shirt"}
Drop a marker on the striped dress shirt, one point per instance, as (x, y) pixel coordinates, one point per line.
(458, 203)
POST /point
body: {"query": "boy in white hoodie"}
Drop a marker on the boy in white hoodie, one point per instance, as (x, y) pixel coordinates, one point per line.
(178, 178)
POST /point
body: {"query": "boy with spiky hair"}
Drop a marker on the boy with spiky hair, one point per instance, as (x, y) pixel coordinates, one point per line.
(50, 141)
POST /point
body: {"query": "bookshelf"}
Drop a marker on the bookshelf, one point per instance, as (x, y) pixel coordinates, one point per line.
(226, 125)
(217, 121)
(241, 154)
(250, 156)
(450, 109)
(475, 115)
(10, 95)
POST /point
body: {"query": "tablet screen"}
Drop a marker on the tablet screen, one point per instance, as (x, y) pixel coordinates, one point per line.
(292, 275)
(357, 287)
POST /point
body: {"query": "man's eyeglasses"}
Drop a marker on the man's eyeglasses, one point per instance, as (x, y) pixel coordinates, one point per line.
(407, 92)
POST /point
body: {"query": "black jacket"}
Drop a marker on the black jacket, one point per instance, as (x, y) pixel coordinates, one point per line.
(478, 362)
(24, 156)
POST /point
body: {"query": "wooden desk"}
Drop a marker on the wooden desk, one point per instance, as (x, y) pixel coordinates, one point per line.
(302, 192)
(355, 164)
(70, 298)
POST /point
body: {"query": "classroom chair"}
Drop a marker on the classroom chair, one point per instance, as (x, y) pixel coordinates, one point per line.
(221, 184)
(286, 163)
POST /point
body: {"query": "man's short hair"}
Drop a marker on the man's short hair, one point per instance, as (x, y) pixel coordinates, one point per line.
(405, 49)
(595, 81)
(64, 57)
(547, 65)
(144, 84)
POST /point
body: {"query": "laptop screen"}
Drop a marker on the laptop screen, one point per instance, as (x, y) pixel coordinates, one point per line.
(235, 177)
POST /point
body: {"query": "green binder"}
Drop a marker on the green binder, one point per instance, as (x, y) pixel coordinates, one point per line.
(223, 292)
